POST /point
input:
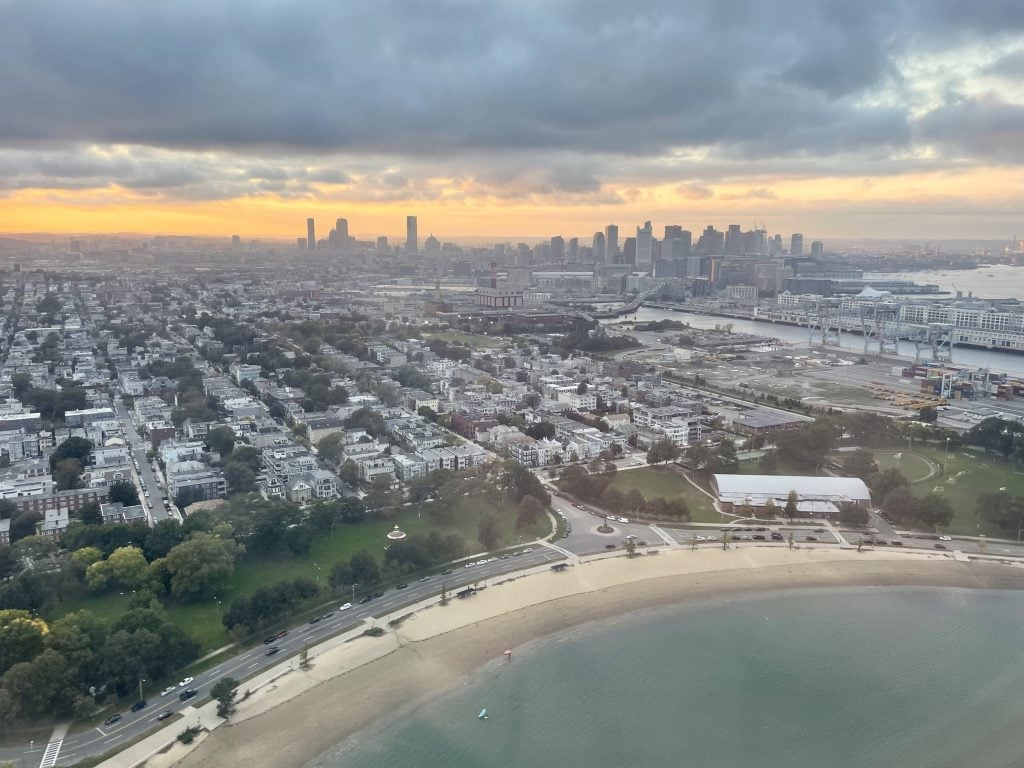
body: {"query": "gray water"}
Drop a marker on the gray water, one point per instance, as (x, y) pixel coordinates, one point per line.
(865, 677)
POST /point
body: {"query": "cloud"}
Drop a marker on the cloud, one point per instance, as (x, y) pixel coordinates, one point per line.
(514, 99)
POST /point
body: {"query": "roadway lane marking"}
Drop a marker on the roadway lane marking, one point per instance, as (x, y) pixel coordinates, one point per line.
(51, 753)
(254, 664)
(102, 732)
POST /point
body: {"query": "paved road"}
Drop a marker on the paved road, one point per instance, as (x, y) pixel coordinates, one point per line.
(103, 739)
(145, 477)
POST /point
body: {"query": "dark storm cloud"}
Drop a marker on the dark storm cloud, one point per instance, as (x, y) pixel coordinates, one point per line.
(542, 97)
(984, 126)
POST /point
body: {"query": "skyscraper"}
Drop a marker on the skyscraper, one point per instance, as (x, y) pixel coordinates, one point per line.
(341, 227)
(644, 236)
(599, 247)
(796, 245)
(611, 243)
(672, 231)
(558, 249)
(733, 240)
(411, 238)
(817, 248)
(310, 235)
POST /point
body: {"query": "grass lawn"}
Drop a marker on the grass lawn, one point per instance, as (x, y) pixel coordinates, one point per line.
(469, 339)
(753, 467)
(653, 482)
(969, 476)
(203, 620)
(913, 466)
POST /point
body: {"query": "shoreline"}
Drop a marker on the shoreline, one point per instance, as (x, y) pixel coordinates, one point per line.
(361, 682)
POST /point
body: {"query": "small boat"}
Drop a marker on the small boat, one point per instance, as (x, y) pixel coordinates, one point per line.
(483, 714)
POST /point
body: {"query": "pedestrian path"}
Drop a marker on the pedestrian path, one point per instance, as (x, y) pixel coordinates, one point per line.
(52, 751)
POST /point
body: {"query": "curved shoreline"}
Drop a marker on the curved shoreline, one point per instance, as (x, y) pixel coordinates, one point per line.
(434, 649)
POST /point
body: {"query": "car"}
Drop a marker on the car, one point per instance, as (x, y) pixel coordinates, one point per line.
(378, 594)
(939, 545)
(165, 714)
(425, 578)
(747, 528)
(403, 585)
(624, 520)
(481, 562)
(269, 640)
(945, 538)
(761, 528)
(188, 693)
(759, 537)
(344, 606)
(186, 681)
(112, 719)
(897, 543)
(446, 572)
(327, 615)
(505, 556)
(365, 599)
(492, 559)
(315, 620)
(702, 538)
(272, 650)
(712, 538)
(470, 565)
(282, 633)
(146, 494)
(810, 538)
(527, 549)
(819, 530)
(138, 706)
(168, 690)
(776, 536)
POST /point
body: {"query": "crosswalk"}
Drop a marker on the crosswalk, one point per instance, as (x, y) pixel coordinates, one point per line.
(664, 536)
(51, 754)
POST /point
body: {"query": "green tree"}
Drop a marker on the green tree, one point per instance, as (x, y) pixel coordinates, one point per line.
(529, 512)
(663, 450)
(771, 510)
(349, 473)
(791, 510)
(330, 447)
(853, 515)
(125, 568)
(630, 547)
(224, 692)
(90, 514)
(487, 532)
(40, 687)
(24, 524)
(221, 440)
(66, 474)
(240, 477)
(72, 448)
(363, 568)
(200, 563)
(124, 492)
(933, 511)
(859, 463)
(22, 637)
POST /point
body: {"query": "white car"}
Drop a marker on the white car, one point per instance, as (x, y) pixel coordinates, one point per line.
(470, 565)
(945, 538)
(168, 690)
(185, 682)
(528, 549)
(481, 562)
(345, 607)
(702, 538)
(623, 520)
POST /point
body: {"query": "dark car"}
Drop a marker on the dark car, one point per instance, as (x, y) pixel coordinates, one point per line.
(365, 599)
(188, 693)
(272, 650)
(759, 537)
(897, 543)
(165, 715)
(810, 538)
(138, 706)
(402, 586)
(269, 640)
(819, 530)
(776, 536)
(939, 545)
(378, 594)
(446, 572)
(112, 719)
(315, 620)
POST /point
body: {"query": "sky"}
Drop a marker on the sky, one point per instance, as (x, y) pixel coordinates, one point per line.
(844, 118)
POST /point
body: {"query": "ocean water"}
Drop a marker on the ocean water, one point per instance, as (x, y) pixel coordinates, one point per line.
(909, 677)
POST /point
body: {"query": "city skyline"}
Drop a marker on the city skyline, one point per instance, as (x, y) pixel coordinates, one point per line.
(894, 122)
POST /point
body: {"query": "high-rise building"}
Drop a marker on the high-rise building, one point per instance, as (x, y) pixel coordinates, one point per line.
(644, 236)
(432, 246)
(341, 232)
(574, 249)
(382, 243)
(599, 247)
(611, 243)
(733, 240)
(672, 231)
(711, 241)
(310, 235)
(629, 250)
(300, 242)
(817, 248)
(796, 245)
(236, 240)
(411, 238)
(558, 249)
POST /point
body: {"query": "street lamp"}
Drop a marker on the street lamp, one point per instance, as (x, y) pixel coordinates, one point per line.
(317, 566)
(354, 592)
(141, 681)
(945, 461)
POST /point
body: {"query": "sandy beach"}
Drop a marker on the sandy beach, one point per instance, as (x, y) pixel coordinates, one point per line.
(354, 684)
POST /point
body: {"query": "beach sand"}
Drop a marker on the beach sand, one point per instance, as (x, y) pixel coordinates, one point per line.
(354, 684)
